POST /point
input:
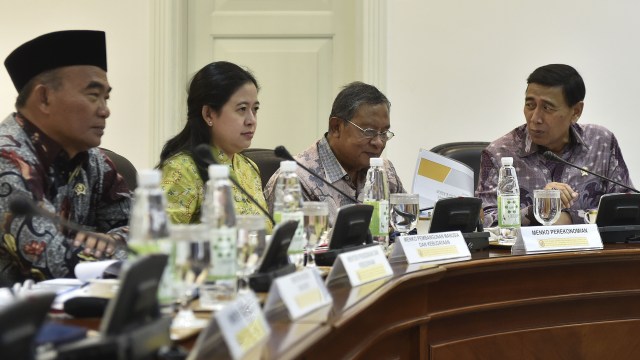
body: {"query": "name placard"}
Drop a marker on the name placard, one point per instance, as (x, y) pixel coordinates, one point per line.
(301, 293)
(243, 326)
(542, 239)
(361, 266)
(432, 247)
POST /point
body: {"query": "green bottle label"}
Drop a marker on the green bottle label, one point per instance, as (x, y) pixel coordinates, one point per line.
(508, 211)
(379, 225)
(223, 253)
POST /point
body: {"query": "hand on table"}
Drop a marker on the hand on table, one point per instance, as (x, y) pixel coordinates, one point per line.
(95, 244)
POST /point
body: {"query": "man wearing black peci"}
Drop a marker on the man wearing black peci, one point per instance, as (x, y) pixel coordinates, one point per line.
(48, 156)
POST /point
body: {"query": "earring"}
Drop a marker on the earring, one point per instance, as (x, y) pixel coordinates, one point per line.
(210, 123)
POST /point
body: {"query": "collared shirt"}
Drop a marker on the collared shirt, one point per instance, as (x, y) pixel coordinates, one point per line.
(86, 190)
(320, 159)
(591, 147)
(184, 187)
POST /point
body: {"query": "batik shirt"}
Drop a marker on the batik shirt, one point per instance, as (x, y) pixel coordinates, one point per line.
(320, 159)
(184, 187)
(86, 190)
(591, 147)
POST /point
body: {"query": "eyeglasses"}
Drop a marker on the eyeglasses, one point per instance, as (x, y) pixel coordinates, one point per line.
(371, 133)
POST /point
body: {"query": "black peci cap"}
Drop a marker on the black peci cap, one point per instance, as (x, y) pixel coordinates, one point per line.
(55, 50)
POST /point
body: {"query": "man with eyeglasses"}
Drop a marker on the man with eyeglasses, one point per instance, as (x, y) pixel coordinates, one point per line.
(358, 131)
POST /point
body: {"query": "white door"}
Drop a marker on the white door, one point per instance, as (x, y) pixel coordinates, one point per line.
(301, 52)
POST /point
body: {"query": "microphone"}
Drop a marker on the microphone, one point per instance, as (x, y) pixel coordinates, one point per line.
(549, 155)
(25, 207)
(203, 152)
(22, 206)
(283, 153)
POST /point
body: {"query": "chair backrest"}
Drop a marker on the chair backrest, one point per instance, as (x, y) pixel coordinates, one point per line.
(21, 321)
(466, 152)
(266, 160)
(124, 167)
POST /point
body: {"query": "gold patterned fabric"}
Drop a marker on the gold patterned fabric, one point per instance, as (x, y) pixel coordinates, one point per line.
(185, 189)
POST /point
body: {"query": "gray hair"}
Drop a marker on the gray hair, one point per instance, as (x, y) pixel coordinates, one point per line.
(50, 78)
(352, 96)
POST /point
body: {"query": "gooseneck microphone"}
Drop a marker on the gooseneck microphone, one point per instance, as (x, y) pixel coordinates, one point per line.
(203, 152)
(549, 155)
(22, 206)
(283, 153)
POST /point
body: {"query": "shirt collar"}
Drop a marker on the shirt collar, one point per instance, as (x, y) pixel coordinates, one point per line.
(219, 156)
(333, 170)
(528, 147)
(48, 151)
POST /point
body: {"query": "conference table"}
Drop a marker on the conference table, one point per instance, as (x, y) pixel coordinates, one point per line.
(567, 305)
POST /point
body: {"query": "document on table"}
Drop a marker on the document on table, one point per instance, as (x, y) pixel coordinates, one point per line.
(439, 177)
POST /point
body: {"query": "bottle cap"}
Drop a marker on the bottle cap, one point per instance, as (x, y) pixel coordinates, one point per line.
(507, 161)
(218, 171)
(376, 162)
(288, 166)
(149, 177)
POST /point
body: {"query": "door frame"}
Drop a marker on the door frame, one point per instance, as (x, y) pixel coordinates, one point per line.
(168, 65)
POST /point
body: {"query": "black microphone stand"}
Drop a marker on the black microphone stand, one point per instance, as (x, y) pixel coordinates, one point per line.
(283, 153)
(23, 206)
(203, 152)
(553, 157)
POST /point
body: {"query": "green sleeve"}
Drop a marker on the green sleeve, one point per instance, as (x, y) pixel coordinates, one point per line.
(183, 188)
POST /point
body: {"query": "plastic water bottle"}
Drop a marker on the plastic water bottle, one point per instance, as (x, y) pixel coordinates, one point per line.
(219, 216)
(376, 193)
(288, 206)
(508, 201)
(149, 228)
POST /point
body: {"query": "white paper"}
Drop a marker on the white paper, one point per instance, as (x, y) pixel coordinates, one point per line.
(70, 288)
(64, 295)
(439, 177)
(58, 284)
(92, 269)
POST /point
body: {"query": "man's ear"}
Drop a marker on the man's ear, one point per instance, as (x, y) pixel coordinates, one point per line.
(335, 125)
(577, 112)
(41, 95)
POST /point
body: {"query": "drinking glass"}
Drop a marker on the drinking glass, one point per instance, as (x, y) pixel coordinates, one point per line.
(316, 219)
(251, 246)
(404, 212)
(547, 206)
(191, 261)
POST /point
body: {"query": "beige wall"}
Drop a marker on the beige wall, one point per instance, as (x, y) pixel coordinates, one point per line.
(126, 23)
(457, 69)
